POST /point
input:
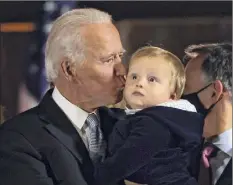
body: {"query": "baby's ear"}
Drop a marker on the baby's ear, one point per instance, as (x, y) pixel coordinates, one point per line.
(173, 96)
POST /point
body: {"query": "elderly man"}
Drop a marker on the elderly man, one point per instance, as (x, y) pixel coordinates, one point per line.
(57, 142)
(209, 88)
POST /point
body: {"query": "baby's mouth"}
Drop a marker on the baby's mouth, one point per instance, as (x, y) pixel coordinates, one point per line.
(137, 93)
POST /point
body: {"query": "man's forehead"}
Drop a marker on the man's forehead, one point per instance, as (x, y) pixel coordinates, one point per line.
(100, 32)
(195, 63)
(194, 75)
(104, 40)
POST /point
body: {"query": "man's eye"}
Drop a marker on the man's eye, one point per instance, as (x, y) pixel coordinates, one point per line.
(121, 55)
(110, 60)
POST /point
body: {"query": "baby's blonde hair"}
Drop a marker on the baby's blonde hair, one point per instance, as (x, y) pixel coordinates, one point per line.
(177, 68)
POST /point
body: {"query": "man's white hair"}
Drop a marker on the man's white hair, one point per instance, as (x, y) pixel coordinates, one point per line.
(65, 39)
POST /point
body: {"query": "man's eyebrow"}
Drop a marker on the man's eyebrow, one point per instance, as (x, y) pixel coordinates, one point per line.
(112, 54)
(107, 56)
(120, 52)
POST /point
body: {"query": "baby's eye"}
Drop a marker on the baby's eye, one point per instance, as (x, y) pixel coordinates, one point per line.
(152, 79)
(134, 77)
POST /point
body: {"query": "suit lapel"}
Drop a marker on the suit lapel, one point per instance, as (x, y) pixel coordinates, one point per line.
(66, 140)
(226, 177)
(59, 126)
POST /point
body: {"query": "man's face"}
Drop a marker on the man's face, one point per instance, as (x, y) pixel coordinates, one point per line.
(194, 75)
(101, 73)
(194, 82)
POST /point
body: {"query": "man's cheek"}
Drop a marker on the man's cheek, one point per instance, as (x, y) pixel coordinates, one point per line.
(104, 76)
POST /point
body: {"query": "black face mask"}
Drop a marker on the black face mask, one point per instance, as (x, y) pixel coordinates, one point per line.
(194, 99)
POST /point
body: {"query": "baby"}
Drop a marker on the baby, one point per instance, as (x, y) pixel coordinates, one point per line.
(159, 140)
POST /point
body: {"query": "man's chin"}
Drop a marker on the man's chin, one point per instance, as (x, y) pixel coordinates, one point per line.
(114, 98)
(119, 97)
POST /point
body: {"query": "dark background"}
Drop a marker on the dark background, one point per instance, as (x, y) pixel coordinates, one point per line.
(30, 11)
(14, 46)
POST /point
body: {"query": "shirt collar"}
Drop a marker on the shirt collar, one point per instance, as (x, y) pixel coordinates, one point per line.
(224, 142)
(76, 115)
(131, 111)
(179, 104)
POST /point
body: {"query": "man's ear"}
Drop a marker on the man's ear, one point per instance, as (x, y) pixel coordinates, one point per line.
(217, 90)
(68, 69)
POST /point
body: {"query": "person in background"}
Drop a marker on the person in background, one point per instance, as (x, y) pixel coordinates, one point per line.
(209, 88)
(56, 142)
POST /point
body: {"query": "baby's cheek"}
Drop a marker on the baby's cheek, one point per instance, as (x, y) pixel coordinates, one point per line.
(128, 82)
(125, 92)
(127, 88)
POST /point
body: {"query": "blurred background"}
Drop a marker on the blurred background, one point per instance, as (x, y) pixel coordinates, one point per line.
(172, 25)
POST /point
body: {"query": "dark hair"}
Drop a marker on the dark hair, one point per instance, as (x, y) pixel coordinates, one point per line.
(217, 64)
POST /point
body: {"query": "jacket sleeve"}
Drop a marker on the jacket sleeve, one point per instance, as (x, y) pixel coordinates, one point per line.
(20, 163)
(141, 145)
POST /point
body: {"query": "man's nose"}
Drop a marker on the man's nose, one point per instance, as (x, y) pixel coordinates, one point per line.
(120, 69)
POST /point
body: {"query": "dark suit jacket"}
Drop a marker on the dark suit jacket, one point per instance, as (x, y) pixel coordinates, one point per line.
(226, 177)
(41, 147)
(158, 145)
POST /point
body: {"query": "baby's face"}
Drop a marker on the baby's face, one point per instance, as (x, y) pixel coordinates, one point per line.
(148, 82)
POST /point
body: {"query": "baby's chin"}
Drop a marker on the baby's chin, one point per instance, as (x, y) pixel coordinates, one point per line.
(136, 106)
(134, 103)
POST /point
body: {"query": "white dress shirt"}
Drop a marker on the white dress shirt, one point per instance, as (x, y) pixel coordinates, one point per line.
(76, 115)
(224, 155)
